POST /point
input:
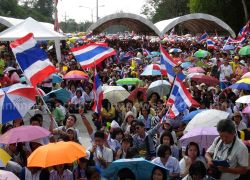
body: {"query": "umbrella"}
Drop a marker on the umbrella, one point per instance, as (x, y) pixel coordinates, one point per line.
(115, 94)
(243, 99)
(209, 80)
(56, 153)
(246, 75)
(162, 87)
(208, 118)
(152, 70)
(139, 166)
(228, 47)
(56, 78)
(203, 136)
(245, 51)
(128, 81)
(23, 134)
(61, 94)
(175, 50)
(15, 101)
(192, 74)
(195, 70)
(243, 84)
(190, 115)
(155, 53)
(4, 158)
(133, 94)
(7, 175)
(75, 75)
(201, 53)
(246, 110)
(186, 65)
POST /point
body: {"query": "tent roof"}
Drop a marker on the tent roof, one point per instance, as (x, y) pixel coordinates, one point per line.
(40, 31)
(8, 22)
(196, 23)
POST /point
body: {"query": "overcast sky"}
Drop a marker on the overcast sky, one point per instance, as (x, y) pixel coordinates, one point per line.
(81, 14)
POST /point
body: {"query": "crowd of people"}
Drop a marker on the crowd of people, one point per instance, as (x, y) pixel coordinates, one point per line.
(138, 126)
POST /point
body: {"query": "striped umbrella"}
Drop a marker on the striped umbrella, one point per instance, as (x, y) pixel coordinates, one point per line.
(243, 84)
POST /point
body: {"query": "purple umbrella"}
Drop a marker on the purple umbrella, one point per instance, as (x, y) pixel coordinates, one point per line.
(23, 134)
(204, 137)
(246, 110)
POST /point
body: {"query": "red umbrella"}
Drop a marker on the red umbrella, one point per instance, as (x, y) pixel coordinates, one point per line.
(209, 80)
(196, 70)
(133, 94)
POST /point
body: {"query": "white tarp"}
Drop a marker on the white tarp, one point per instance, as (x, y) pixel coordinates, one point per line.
(39, 30)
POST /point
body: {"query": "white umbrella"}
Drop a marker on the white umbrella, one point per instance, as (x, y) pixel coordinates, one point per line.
(244, 99)
(162, 87)
(208, 118)
(115, 94)
(7, 175)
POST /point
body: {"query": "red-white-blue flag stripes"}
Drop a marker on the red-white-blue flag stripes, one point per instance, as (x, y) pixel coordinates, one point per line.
(167, 66)
(180, 99)
(98, 94)
(32, 60)
(92, 54)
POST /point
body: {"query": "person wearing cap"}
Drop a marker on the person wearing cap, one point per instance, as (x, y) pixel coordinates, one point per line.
(237, 118)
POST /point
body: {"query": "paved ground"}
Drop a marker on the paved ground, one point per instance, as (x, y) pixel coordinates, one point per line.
(84, 136)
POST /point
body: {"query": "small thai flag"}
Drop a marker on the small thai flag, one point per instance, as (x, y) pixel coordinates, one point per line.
(203, 37)
(210, 44)
(32, 60)
(98, 94)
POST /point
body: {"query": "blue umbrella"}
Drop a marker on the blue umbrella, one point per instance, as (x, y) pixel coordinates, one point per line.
(61, 94)
(190, 116)
(228, 47)
(56, 78)
(175, 50)
(186, 65)
(139, 166)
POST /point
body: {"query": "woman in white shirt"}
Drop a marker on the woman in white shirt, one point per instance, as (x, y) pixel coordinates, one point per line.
(165, 159)
(192, 154)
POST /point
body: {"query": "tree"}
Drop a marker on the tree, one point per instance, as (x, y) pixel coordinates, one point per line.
(158, 10)
(230, 11)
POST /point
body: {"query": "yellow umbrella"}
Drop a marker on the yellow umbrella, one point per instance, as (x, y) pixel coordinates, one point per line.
(56, 153)
(4, 158)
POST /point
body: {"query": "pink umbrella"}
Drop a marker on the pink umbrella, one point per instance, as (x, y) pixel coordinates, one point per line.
(246, 75)
(195, 70)
(246, 110)
(23, 134)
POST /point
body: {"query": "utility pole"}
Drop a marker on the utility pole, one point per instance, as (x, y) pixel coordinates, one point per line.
(97, 11)
(65, 21)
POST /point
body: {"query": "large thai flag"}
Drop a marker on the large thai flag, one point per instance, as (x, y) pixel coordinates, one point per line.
(180, 99)
(92, 54)
(33, 61)
(98, 94)
(167, 66)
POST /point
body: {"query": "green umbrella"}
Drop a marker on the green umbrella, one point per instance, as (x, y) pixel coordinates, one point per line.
(201, 53)
(245, 51)
(128, 81)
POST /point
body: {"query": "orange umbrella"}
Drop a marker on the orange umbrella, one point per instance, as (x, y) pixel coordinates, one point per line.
(75, 75)
(56, 153)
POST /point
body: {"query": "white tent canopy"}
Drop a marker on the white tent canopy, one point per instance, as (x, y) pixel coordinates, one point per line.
(39, 30)
(8, 22)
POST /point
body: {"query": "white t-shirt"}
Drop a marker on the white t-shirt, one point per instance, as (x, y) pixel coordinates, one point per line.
(225, 71)
(182, 163)
(172, 164)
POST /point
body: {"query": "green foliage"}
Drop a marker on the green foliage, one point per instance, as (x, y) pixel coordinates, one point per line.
(40, 10)
(230, 11)
(71, 26)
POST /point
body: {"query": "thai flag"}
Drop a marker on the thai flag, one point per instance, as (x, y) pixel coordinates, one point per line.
(180, 98)
(33, 61)
(203, 37)
(245, 30)
(210, 44)
(98, 94)
(89, 35)
(167, 66)
(92, 54)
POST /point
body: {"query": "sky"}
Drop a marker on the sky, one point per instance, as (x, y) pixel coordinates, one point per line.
(81, 14)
